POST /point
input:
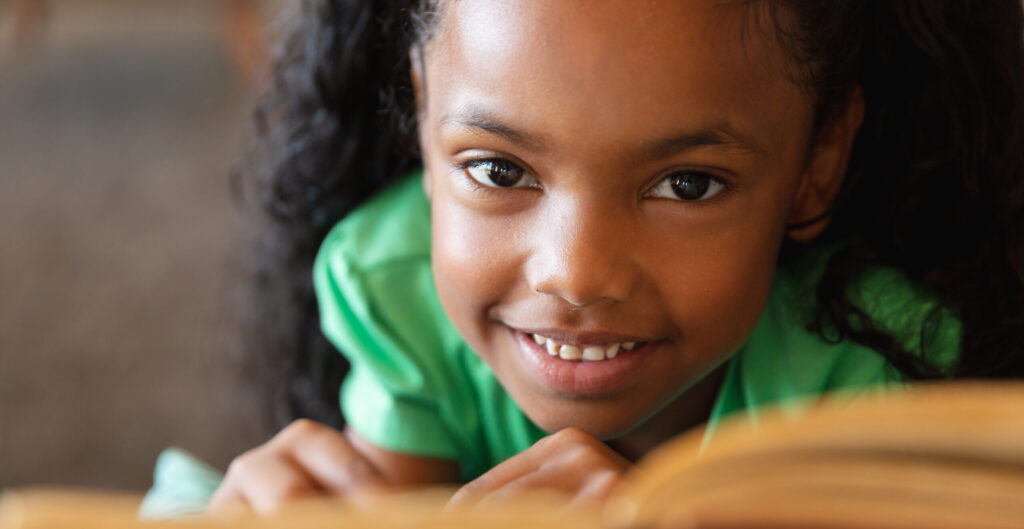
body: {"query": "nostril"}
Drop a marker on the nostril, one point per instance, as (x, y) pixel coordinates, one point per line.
(577, 301)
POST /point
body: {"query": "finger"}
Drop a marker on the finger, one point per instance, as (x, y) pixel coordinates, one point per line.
(581, 478)
(265, 480)
(330, 459)
(504, 473)
(227, 502)
(536, 482)
(546, 452)
(598, 487)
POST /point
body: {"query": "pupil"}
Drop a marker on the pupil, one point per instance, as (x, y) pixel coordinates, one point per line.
(503, 174)
(690, 186)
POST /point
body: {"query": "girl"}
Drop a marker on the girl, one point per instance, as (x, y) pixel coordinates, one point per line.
(632, 218)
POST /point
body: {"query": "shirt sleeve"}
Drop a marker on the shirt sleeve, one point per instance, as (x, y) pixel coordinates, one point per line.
(379, 314)
(182, 486)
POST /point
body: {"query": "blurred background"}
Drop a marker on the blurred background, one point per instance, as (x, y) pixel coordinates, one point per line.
(119, 124)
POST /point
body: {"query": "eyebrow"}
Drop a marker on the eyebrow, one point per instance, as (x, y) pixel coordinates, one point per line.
(481, 120)
(720, 135)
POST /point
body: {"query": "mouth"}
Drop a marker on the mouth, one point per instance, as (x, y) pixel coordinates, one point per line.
(583, 353)
(583, 365)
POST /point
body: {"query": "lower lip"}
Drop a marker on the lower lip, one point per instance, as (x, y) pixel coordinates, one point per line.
(582, 378)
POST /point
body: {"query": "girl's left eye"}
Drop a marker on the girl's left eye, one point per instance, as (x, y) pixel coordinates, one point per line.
(496, 172)
(688, 185)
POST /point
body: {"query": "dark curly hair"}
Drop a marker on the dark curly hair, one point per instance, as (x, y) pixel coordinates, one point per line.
(935, 185)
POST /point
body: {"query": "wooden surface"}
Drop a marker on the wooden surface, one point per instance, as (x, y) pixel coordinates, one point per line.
(940, 457)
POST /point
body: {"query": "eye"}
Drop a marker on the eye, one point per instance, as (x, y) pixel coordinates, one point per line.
(688, 185)
(496, 172)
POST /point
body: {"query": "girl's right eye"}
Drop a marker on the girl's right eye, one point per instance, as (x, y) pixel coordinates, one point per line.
(496, 172)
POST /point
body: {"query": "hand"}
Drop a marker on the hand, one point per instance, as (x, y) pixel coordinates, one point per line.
(306, 459)
(570, 461)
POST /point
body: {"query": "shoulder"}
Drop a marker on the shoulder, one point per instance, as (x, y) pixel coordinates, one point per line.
(373, 279)
(889, 300)
(785, 359)
(391, 227)
(378, 306)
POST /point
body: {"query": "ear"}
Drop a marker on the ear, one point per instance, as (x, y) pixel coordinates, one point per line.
(419, 90)
(825, 170)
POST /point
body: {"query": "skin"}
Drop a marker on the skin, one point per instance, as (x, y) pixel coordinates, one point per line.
(578, 94)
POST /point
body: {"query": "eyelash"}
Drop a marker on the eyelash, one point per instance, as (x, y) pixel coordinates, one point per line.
(487, 190)
(478, 187)
(723, 186)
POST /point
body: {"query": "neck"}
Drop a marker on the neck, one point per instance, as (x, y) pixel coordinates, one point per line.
(689, 409)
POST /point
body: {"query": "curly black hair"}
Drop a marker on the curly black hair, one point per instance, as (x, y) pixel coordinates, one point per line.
(935, 186)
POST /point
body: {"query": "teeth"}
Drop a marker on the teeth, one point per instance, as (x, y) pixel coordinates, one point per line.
(593, 353)
(570, 352)
(589, 353)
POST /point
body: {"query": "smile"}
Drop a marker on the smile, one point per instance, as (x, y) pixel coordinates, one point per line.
(584, 353)
(590, 365)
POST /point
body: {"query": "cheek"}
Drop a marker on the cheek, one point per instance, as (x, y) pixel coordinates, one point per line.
(720, 283)
(473, 262)
(735, 291)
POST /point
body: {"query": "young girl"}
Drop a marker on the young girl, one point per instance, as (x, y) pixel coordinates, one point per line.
(631, 218)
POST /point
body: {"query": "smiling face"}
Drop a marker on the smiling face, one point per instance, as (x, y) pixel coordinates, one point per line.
(602, 173)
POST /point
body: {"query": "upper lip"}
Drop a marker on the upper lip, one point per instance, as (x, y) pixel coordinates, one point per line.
(583, 336)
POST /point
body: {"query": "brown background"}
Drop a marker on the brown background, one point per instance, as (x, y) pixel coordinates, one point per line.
(119, 122)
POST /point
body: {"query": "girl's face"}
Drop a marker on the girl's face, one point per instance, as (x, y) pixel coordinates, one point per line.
(607, 173)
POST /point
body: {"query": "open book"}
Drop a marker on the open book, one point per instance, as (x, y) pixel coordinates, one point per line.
(938, 456)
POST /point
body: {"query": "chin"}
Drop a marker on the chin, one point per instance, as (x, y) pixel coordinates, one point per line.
(601, 424)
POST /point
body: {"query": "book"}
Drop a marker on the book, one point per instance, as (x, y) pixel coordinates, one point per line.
(943, 456)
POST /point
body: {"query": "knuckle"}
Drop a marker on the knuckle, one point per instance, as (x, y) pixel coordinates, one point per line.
(573, 435)
(300, 428)
(584, 456)
(563, 438)
(243, 465)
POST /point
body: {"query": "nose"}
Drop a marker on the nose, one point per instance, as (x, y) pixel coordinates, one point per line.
(583, 253)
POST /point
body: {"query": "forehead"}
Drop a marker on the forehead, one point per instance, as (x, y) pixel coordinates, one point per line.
(612, 67)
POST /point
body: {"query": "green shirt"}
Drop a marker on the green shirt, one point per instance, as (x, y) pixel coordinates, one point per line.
(416, 387)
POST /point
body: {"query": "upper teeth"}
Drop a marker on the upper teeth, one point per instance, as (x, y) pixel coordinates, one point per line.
(588, 353)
